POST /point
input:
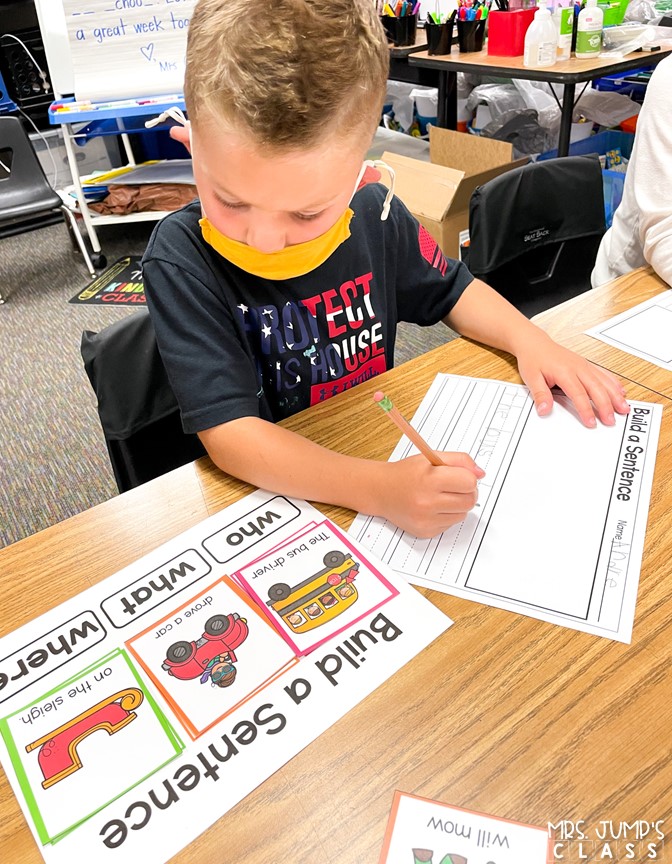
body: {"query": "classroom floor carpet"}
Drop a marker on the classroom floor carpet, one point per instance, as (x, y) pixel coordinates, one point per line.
(53, 461)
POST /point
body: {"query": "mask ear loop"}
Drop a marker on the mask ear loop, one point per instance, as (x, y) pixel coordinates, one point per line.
(172, 113)
(378, 163)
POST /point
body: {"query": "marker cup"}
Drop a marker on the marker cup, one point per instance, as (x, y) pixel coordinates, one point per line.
(439, 37)
(401, 32)
(470, 35)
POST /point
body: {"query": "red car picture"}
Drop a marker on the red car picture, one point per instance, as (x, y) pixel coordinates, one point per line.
(211, 657)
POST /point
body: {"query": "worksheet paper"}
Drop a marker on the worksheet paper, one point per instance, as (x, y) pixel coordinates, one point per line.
(137, 713)
(644, 331)
(558, 531)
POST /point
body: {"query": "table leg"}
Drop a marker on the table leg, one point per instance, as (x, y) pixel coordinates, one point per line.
(566, 119)
(447, 114)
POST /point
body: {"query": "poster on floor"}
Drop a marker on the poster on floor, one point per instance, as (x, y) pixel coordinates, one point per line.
(120, 285)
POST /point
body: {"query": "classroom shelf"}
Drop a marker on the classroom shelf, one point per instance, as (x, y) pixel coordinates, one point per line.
(69, 114)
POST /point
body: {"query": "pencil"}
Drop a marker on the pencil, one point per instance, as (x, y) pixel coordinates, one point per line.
(414, 437)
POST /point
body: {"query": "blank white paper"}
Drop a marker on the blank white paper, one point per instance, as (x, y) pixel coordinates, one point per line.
(644, 331)
(558, 532)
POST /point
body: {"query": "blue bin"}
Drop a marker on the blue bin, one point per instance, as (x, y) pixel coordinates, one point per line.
(612, 186)
(616, 84)
(424, 122)
(612, 139)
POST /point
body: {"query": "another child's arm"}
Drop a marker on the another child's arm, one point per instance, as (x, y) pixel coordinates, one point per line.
(485, 316)
(418, 497)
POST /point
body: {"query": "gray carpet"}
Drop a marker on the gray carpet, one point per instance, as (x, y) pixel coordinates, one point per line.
(53, 461)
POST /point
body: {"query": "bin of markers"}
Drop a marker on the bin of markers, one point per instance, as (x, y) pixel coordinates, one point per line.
(470, 35)
(472, 16)
(439, 35)
(401, 30)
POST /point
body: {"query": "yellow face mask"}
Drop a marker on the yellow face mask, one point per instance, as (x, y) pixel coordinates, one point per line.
(296, 260)
(287, 263)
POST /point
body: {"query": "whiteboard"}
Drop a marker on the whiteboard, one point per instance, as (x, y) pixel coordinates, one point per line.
(51, 18)
(123, 49)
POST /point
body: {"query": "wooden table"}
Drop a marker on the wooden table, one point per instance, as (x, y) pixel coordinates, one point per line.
(401, 71)
(568, 73)
(567, 322)
(502, 714)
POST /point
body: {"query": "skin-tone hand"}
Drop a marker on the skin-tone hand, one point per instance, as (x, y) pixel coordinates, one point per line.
(595, 392)
(181, 134)
(419, 497)
(484, 315)
(435, 498)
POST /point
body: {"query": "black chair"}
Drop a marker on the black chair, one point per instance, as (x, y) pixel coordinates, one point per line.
(26, 196)
(535, 230)
(136, 405)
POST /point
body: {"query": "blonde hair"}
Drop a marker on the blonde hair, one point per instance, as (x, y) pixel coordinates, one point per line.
(289, 71)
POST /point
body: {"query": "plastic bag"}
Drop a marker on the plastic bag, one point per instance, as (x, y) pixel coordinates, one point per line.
(624, 38)
(539, 96)
(641, 11)
(498, 97)
(521, 129)
(426, 101)
(401, 96)
(606, 109)
(518, 97)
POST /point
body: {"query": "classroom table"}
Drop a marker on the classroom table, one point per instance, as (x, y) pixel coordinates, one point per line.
(502, 714)
(401, 71)
(567, 322)
(568, 73)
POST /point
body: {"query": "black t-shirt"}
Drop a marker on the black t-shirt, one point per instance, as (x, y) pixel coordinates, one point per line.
(236, 345)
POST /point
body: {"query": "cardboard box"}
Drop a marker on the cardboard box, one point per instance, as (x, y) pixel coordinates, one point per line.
(438, 192)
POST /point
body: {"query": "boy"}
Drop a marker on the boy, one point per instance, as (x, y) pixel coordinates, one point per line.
(291, 286)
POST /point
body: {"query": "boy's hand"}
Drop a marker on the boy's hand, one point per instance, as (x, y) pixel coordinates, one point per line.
(485, 316)
(424, 499)
(543, 364)
(181, 134)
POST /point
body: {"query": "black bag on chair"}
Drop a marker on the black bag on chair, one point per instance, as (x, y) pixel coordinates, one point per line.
(136, 405)
(535, 231)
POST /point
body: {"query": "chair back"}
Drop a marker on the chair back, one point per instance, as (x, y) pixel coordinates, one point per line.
(25, 191)
(535, 230)
(136, 405)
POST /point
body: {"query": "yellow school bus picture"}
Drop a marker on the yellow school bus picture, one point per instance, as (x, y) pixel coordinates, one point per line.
(318, 599)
